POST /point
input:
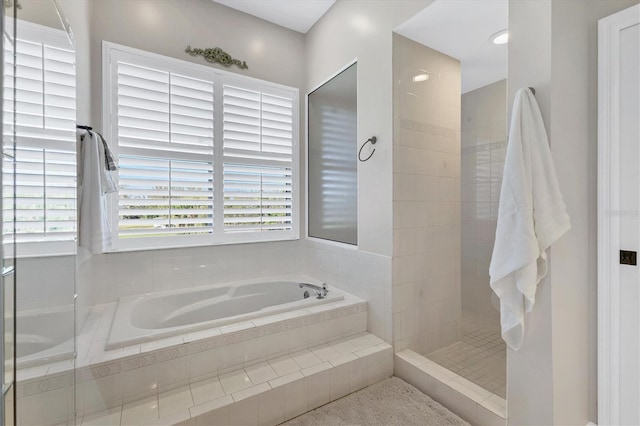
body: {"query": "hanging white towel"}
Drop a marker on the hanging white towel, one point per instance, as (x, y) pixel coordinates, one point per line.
(531, 217)
(95, 181)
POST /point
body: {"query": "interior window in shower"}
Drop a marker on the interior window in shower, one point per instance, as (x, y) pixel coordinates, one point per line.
(332, 164)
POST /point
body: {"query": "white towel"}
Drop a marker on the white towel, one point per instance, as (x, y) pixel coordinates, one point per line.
(531, 217)
(94, 183)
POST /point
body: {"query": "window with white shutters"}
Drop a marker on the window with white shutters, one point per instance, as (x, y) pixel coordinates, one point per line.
(258, 159)
(44, 154)
(205, 156)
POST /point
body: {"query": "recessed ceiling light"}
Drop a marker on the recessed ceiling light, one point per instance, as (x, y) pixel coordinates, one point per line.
(501, 37)
(420, 77)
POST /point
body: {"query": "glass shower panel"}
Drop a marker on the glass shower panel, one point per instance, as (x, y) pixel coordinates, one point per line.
(333, 180)
(7, 280)
(44, 202)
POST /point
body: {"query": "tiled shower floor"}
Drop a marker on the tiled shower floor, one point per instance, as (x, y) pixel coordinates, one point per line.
(480, 356)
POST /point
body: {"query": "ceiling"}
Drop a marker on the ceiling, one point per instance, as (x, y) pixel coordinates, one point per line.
(461, 28)
(297, 15)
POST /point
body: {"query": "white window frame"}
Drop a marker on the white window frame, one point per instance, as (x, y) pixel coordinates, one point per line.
(58, 38)
(110, 52)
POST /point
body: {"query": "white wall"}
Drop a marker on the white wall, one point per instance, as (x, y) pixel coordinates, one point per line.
(426, 198)
(553, 47)
(362, 29)
(574, 147)
(166, 27)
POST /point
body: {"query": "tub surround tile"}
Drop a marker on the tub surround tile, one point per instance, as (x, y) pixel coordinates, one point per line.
(25, 374)
(262, 372)
(344, 347)
(60, 367)
(228, 329)
(206, 390)
(178, 418)
(344, 359)
(113, 355)
(339, 381)
(161, 344)
(271, 407)
(284, 365)
(141, 411)
(305, 358)
(205, 402)
(106, 418)
(309, 371)
(201, 335)
(244, 412)
(216, 404)
(235, 381)
(271, 319)
(174, 401)
(150, 369)
(283, 380)
(319, 388)
(250, 391)
(296, 398)
(325, 352)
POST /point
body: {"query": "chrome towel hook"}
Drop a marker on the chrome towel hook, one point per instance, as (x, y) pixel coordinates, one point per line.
(373, 141)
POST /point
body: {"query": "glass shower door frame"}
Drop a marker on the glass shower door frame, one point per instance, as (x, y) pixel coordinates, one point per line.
(7, 246)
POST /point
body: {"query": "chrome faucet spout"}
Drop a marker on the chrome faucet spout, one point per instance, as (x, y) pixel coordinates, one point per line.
(319, 291)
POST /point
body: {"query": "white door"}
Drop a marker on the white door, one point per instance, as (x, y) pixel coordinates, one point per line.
(619, 219)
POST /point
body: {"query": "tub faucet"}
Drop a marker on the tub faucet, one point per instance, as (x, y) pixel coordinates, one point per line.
(320, 292)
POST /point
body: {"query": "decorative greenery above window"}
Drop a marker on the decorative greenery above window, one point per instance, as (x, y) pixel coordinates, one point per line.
(216, 56)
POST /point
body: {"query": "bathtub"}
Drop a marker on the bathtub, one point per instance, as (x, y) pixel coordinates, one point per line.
(44, 336)
(143, 318)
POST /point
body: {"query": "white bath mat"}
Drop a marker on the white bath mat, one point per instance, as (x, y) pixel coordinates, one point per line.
(390, 402)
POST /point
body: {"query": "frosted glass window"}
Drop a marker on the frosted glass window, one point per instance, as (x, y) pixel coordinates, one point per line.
(333, 179)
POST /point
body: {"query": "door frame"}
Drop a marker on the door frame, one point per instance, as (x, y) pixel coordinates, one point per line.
(609, 29)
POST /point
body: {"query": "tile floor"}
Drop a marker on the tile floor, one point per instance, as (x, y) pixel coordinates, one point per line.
(480, 356)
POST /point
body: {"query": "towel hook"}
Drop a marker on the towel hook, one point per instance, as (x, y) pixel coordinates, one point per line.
(373, 141)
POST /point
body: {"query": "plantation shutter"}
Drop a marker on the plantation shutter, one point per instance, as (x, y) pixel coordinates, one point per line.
(45, 154)
(258, 159)
(165, 124)
(205, 156)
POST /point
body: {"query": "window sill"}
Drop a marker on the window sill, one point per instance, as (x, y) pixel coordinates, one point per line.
(41, 249)
(203, 244)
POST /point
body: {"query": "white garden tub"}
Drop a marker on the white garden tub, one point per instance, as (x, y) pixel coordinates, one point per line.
(153, 316)
(44, 336)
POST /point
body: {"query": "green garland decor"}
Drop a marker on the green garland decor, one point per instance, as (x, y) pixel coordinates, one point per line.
(216, 55)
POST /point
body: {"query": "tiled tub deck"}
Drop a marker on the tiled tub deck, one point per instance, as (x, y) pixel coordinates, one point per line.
(163, 370)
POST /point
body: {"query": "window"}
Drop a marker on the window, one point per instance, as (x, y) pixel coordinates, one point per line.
(44, 155)
(206, 156)
(332, 160)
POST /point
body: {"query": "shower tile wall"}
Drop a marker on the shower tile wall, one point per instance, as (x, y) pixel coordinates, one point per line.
(484, 124)
(426, 198)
